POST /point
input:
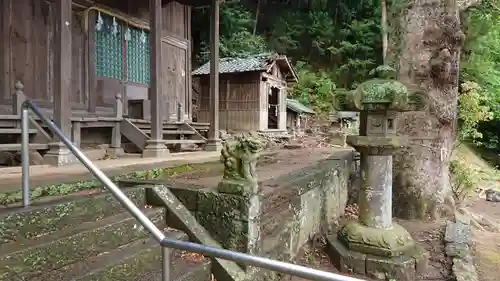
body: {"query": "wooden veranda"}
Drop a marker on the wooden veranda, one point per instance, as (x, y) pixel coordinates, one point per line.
(50, 55)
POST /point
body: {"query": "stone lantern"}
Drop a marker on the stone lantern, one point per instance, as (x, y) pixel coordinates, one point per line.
(374, 245)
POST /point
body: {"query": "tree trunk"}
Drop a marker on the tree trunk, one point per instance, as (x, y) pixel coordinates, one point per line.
(383, 29)
(427, 54)
(256, 21)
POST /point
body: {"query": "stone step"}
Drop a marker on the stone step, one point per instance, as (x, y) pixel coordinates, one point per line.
(172, 132)
(144, 264)
(17, 146)
(127, 262)
(15, 131)
(32, 257)
(184, 141)
(146, 124)
(10, 117)
(18, 224)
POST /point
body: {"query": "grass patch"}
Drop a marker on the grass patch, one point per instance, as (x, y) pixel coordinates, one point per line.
(491, 256)
(68, 188)
(471, 154)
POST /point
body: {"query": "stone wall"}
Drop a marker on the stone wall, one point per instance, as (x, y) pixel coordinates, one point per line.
(294, 208)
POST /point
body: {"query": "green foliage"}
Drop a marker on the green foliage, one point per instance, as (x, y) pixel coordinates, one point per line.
(68, 188)
(464, 178)
(315, 89)
(346, 51)
(473, 109)
(480, 64)
(236, 38)
(339, 40)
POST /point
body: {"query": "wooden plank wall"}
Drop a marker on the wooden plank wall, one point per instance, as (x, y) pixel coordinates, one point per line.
(26, 54)
(239, 103)
(176, 54)
(177, 58)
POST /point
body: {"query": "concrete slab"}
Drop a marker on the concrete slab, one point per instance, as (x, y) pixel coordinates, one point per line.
(10, 178)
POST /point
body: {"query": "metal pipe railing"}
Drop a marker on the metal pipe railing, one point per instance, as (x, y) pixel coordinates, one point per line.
(274, 265)
(166, 243)
(115, 190)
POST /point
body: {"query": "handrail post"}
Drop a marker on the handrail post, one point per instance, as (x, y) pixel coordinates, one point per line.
(25, 158)
(112, 187)
(165, 263)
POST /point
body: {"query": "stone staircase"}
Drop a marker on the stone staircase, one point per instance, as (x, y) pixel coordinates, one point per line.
(10, 135)
(89, 238)
(175, 133)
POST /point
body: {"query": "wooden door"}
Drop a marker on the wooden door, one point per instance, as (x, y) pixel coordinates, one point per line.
(176, 77)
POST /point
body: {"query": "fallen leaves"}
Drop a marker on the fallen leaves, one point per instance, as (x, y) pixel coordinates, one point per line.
(351, 212)
(194, 257)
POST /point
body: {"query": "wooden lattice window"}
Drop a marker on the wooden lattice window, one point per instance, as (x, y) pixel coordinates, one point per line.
(109, 51)
(122, 52)
(138, 57)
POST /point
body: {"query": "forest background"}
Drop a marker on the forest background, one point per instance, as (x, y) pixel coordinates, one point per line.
(334, 44)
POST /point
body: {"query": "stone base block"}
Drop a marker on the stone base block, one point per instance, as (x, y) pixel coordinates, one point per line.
(156, 149)
(400, 268)
(385, 242)
(58, 155)
(115, 152)
(404, 267)
(345, 260)
(237, 187)
(213, 145)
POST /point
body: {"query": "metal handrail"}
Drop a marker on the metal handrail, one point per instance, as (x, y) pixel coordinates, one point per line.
(166, 243)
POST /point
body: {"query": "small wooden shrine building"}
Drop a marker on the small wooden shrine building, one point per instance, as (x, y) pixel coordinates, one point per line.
(253, 92)
(297, 115)
(103, 70)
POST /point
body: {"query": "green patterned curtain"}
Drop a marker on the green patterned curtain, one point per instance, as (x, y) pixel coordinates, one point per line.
(109, 52)
(138, 56)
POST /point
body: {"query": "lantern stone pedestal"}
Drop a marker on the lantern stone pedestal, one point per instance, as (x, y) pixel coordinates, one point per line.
(374, 245)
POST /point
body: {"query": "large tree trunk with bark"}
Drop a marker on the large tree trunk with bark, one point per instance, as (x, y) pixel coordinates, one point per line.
(427, 54)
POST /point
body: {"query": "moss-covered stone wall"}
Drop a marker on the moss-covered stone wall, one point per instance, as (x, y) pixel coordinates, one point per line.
(302, 204)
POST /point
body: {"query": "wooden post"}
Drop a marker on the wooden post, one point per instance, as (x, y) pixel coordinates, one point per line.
(58, 153)
(213, 142)
(76, 133)
(115, 150)
(5, 47)
(180, 114)
(155, 147)
(18, 98)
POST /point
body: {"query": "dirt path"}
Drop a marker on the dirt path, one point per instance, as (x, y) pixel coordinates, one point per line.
(428, 235)
(485, 218)
(283, 161)
(487, 255)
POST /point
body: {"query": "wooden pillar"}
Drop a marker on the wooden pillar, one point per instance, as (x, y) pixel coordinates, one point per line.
(58, 153)
(213, 142)
(155, 147)
(5, 49)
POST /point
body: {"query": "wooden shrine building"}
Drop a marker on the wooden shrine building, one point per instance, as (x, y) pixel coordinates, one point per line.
(103, 70)
(297, 115)
(253, 92)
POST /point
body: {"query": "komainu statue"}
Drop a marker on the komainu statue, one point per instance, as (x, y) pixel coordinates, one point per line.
(240, 161)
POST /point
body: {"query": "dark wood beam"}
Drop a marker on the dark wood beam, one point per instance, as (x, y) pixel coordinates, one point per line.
(62, 66)
(155, 89)
(58, 154)
(7, 86)
(156, 145)
(213, 133)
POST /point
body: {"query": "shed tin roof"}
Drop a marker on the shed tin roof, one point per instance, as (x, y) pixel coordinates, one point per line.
(259, 63)
(296, 106)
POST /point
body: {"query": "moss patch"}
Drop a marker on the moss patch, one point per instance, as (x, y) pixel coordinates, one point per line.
(68, 188)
